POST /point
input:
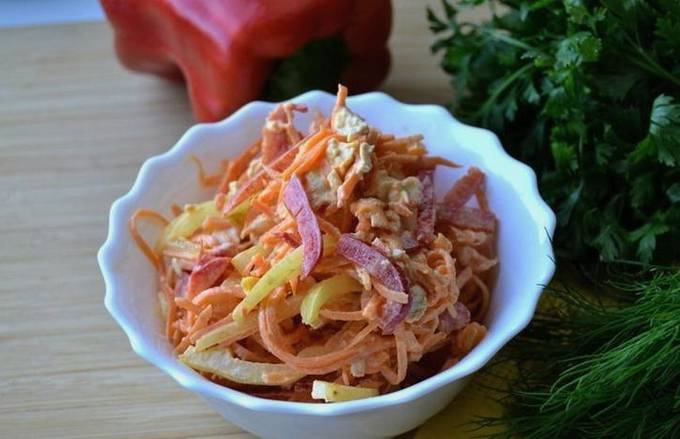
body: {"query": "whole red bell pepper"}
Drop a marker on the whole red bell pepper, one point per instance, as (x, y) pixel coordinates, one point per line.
(226, 50)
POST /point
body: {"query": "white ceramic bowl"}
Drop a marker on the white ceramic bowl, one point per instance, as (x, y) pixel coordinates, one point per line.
(526, 224)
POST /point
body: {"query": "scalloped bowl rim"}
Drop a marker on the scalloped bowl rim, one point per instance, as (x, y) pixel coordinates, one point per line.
(194, 382)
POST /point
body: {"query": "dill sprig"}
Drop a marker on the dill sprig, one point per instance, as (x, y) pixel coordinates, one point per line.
(596, 368)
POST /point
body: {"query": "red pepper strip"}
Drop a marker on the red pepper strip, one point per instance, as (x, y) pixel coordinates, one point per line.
(448, 323)
(205, 275)
(393, 313)
(278, 133)
(372, 260)
(464, 188)
(427, 213)
(380, 267)
(467, 218)
(295, 199)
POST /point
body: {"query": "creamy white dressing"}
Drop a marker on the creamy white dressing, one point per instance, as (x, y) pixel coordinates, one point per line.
(340, 155)
(319, 190)
(408, 190)
(253, 167)
(349, 124)
(363, 163)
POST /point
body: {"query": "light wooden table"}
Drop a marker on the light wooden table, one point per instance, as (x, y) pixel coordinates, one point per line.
(74, 130)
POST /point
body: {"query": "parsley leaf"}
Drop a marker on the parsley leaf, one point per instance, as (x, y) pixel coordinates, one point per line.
(588, 94)
(576, 49)
(664, 130)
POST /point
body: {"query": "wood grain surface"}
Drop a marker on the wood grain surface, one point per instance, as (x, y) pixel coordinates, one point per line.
(74, 130)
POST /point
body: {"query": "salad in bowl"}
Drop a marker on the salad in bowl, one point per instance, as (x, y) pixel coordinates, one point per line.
(340, 265)
(324, 267)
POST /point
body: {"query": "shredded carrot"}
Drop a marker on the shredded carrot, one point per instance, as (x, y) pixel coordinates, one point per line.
(346, 219)
(485, 298)
(212, 223)
(342, 315)
(139, 240)
(373, 321)
(204, 179)
(217, 295)
(183, 345)
(258, 265)
(270, 192)
(470, 336)
(176, 209)
(424, 162)
(202, 320)
(294, 284)
(187, 304)
(311, 158)
(249, 188)
(172, 308)
(250, 355)
(265, 208)
(315, 142)
(238, 166)
(286, 159)
(482, 200)
(341, 98)
(371, 309)
(328, 227)
(396, 296)
(270, 237)
(331, 264)
(220, 199)
(399, 145)
(346, 189)
(401, 355)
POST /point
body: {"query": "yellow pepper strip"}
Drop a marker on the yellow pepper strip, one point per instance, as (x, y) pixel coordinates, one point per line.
(284, 271)
(237, 215)
(181, 248)
(234, 331)
(221, 362)
(331, 392)
(323, 292)
(188, 221)
(248, 282)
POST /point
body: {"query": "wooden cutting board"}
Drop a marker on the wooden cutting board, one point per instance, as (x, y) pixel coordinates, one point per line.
(74, 130)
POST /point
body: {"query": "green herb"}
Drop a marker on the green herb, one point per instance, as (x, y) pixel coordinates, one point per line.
(588, 94)
(315, 66)
(595, 371)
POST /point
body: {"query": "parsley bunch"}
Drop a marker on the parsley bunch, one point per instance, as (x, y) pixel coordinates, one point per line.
(588, 94)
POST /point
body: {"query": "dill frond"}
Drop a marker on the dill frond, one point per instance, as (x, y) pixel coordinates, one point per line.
(596, 370)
